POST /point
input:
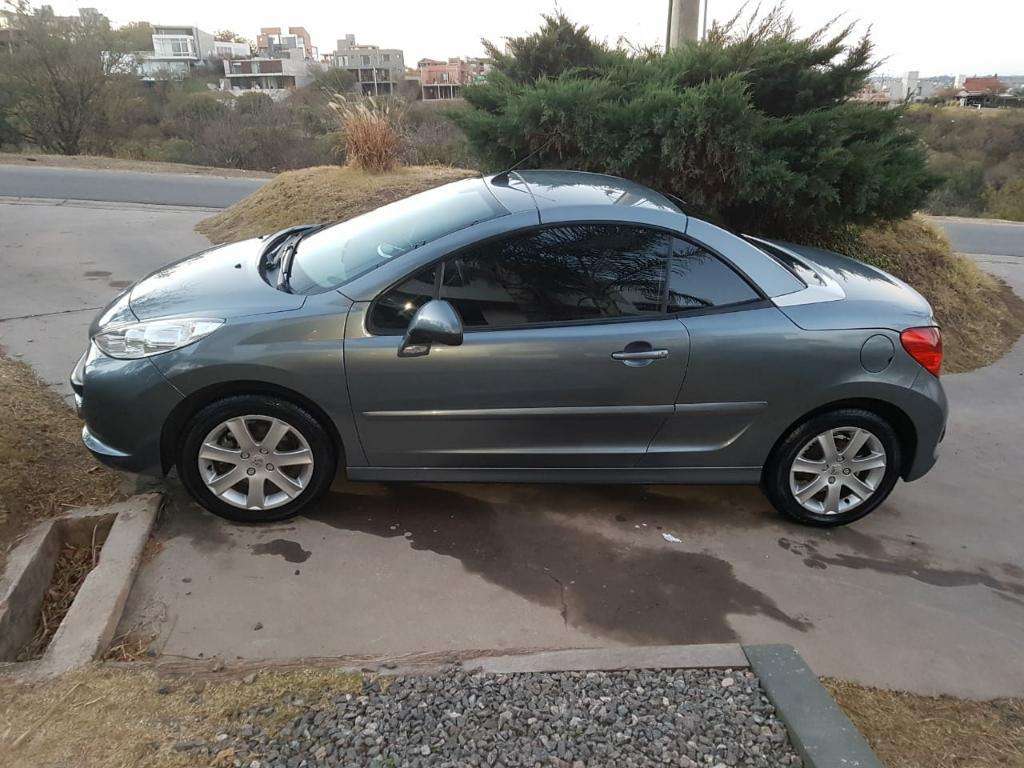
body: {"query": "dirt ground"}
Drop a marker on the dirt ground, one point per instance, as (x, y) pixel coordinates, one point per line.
(46, 469)
(94, 162)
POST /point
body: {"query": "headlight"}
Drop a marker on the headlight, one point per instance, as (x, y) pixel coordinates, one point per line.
(151, 337)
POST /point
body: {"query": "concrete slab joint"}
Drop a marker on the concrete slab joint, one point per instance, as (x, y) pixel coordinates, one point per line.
(822, 735)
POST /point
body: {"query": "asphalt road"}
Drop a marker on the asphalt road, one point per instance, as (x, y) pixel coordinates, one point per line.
(124, 186)
(983, 237)
(926, 594)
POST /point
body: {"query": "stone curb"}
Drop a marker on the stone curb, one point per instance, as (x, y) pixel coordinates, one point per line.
(821, 734)
(723, 656)
(91, 621)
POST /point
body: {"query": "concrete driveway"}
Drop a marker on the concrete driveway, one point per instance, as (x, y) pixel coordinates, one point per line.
(926, 594)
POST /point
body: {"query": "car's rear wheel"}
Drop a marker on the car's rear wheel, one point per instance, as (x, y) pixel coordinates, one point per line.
(834, 468)
(255, 459)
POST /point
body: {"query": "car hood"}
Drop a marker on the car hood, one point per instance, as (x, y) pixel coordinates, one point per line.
(222, 282)
(874, 298)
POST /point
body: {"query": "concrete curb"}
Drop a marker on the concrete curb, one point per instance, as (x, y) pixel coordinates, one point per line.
(23, 584)
(722, 656)
(73, 202)
(91, 621)
(821, 734)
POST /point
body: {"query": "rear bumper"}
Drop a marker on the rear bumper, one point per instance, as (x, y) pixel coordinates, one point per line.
(125, 404)
(929, 410)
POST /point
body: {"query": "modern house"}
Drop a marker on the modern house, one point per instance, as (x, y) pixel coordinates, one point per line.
(273, 76)
(378, 71)
(179, 49)
(272, 43)
(444, 79)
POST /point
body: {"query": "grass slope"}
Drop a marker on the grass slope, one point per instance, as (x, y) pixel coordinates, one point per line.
(46, 471)
(321, 194)
(981, 317)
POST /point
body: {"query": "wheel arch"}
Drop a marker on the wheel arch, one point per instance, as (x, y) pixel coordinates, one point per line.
(174, 425)
(901, 423)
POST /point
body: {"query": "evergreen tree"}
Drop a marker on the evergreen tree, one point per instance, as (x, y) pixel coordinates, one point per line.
(755, 125)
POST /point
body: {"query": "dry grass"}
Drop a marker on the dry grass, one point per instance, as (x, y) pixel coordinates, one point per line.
(46, 471)
(94, 162)
(981, 317)
(373, 132)
(72, 566)
(321, 194)
(102, 717)
(909, 731)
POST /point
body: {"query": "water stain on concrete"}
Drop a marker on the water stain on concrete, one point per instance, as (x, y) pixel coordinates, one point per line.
(291, 551)
(97, 273)
(183, 518)
(634, 594)
(897, 565)
(119, 283)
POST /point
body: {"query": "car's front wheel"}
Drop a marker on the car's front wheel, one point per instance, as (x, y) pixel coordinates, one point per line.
(834, 468)
(255, 459)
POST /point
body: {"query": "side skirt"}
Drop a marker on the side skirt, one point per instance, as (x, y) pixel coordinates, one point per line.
(603, 475)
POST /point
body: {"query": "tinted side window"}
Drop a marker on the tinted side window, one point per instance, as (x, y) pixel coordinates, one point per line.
(699, 279)
(561, 274)
(392, 312)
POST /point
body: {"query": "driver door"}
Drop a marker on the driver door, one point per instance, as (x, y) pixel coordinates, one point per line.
(568, 358)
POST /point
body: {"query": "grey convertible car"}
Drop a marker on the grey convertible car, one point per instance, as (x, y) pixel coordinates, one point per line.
(534, 326)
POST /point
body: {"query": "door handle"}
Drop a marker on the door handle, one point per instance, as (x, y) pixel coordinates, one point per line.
(640, 358)
(647, 354)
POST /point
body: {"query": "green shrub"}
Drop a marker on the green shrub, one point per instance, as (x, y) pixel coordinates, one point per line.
(254, 103)
(755, 127)
(1007, 202)
(962, 192)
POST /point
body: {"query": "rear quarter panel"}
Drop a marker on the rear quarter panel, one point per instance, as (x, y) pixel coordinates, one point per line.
(752, 374)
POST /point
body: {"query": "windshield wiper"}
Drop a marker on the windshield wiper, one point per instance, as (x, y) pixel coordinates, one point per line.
(286, 255)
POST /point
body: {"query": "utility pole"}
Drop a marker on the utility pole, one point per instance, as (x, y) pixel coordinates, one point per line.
(683, 19)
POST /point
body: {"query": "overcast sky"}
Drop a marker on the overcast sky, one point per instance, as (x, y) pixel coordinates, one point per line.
(933, 36)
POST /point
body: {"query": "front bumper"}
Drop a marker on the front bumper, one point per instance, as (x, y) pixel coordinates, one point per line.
(125, 404)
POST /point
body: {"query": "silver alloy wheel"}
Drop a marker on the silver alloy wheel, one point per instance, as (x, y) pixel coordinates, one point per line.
(838, 470)
(255, 462)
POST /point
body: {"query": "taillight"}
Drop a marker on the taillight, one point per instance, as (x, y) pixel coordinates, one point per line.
(925, 346)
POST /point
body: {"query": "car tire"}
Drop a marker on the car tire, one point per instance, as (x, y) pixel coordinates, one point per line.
(250, 432)
(800, 478)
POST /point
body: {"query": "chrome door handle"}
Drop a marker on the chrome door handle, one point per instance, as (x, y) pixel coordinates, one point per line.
(648, 356)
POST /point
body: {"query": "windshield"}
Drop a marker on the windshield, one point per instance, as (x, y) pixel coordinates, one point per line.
(333, 256)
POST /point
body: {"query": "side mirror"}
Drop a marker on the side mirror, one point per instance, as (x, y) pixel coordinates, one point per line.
(436, 322)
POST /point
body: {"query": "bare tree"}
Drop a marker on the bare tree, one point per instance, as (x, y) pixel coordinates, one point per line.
(57, 75)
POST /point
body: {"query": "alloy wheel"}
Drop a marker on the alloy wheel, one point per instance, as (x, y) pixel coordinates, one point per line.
(255, 462)
(837, 470)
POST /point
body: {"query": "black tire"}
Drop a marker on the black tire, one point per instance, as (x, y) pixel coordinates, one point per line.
(320, 444)
(776, 477)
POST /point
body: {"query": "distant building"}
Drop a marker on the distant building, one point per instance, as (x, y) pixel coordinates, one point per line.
(176, 52)
(275, 76)
(271, 43)
(444, 79)
(987, 92)
(378, 71)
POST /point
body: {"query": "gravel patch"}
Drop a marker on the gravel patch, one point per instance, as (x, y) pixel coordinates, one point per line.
(684, 718)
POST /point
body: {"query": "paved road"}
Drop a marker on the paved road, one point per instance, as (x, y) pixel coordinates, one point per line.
(124, 186)
(926, 594)
(979, 236)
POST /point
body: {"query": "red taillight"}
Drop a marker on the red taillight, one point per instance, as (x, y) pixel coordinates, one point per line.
(925, 346)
